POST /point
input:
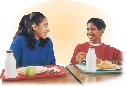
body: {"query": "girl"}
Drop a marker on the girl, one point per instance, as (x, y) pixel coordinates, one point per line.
(30, 44)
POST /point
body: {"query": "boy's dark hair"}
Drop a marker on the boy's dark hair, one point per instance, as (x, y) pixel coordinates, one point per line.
(99, 23)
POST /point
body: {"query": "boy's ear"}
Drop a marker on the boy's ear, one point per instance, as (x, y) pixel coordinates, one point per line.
(34, 26)
(102, 31)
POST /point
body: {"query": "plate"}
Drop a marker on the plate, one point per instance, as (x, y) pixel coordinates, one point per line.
(117, 68)
(39, 69)
(107, 69)
(112, 67)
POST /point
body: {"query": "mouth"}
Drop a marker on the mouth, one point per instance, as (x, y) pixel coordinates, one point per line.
(45, 33)
(90, 37)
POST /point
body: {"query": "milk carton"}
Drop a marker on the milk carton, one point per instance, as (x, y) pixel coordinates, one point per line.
(10, 65)
(91, 60)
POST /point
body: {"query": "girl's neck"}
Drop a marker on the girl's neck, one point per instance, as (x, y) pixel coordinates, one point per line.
(36, 36)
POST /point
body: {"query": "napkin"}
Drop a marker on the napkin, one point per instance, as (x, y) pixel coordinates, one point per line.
(81, 66)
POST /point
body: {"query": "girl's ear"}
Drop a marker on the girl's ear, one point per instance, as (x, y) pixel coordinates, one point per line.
(34, 26)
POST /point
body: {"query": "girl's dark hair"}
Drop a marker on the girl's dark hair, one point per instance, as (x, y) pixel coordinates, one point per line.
(99, 23)
(25, 28)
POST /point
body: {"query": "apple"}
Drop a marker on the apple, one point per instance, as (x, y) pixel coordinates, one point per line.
(30, 71)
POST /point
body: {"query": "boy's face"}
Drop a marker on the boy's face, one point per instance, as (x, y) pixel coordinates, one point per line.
(93, 33)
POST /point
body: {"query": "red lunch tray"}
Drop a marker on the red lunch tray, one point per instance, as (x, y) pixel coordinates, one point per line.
(37, 76)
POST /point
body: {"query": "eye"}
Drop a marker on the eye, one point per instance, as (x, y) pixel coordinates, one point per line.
(93, 29)
(87, 28)
(45, 25)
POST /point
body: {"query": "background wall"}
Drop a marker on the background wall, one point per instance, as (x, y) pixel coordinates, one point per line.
(68, 24)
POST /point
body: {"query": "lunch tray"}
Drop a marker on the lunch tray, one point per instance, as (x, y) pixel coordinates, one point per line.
(100, 71)
(37, 76)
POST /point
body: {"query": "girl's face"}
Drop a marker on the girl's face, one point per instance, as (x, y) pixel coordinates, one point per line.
(93, 33)
(41, 30)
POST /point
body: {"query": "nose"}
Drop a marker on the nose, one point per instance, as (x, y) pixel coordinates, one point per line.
(89, 31)
(48, 29)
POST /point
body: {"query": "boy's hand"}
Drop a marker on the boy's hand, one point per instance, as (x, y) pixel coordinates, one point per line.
(98, 61)
(80, 57)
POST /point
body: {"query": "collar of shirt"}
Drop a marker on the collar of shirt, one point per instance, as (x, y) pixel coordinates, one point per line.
(95, 44)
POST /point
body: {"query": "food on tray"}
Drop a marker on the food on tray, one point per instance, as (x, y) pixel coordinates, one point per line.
(21, 70)
(39, 69)
(107, 65)
(30, 71)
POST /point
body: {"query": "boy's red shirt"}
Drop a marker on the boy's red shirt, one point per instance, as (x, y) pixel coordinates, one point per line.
(104, 52)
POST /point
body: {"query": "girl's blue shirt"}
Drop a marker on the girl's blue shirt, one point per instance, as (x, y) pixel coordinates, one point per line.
(38, 56)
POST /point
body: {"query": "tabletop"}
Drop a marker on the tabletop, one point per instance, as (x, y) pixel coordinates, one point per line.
(90, 78)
